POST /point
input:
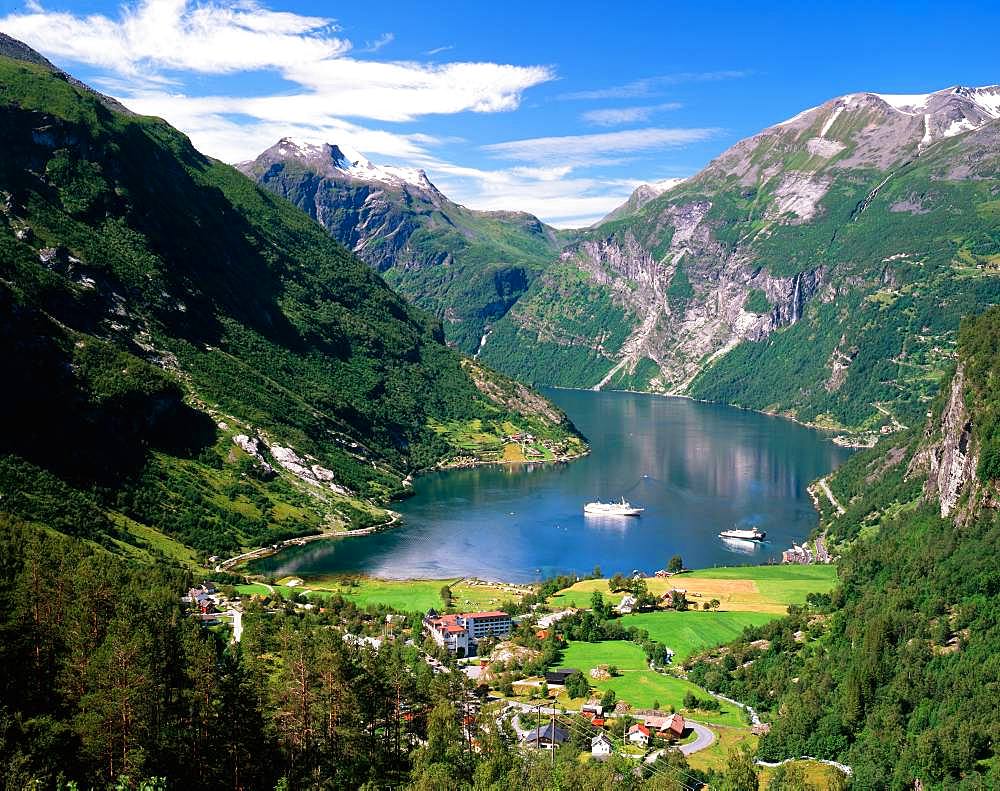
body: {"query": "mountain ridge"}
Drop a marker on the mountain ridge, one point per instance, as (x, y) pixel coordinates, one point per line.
(466, 267)
(200, 365)
(781, 228)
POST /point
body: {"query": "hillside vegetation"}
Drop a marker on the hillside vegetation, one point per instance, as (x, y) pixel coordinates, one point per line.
(898, 675)
(196, 356)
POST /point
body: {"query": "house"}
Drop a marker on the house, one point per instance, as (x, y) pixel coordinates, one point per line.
(639, 734)
(676, 727)
(597, 722)
(547, 738)
(592, 707)
(461, 633)
(600, 745)
(559, 676)
(627, 604)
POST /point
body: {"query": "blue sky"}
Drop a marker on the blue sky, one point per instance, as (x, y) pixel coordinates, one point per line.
(552, 108)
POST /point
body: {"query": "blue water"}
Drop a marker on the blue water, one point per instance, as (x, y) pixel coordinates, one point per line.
(696, 468)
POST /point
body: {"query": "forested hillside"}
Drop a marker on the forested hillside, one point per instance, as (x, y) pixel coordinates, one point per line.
(193, 361)
(898, 675)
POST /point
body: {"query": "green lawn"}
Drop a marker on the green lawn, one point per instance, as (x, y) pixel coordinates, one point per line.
(638, 685)
(403, 595)
(688, 632)
(584, 656)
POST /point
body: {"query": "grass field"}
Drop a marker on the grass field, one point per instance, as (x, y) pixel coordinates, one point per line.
(761, 589)
(817, 775)
(638, 685)
(726, 738)
(403, 595)
(688, 632)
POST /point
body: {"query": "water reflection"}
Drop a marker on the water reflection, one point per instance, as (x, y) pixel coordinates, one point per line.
(696, 468)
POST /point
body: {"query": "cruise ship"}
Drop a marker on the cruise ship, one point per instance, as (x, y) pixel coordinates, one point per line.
(623, 508)
(744, 535)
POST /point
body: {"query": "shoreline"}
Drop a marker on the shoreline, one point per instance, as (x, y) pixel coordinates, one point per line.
(395, 518)
(237, 561)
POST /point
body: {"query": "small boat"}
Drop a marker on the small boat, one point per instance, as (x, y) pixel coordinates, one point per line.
(623, 508)
(753, 534)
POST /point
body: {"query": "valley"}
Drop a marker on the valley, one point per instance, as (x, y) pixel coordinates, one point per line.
(314, 477)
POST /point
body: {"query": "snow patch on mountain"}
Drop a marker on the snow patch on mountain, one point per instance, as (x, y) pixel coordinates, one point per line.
(830, 121)
(912, 102)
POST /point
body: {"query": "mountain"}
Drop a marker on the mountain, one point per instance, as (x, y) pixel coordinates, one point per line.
(640, 196)
(466, 267)
(817, 269)
(191, 361)
(896, 675)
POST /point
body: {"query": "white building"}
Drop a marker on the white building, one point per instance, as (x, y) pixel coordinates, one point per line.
(600, 745)
(461, 633)
(639, 734)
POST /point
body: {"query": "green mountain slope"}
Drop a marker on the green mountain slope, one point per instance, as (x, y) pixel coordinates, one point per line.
(898, 675)
(818, 269)
(189, 353)
(466, 267)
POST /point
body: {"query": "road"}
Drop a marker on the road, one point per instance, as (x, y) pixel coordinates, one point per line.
(705, 739)
(829, 496)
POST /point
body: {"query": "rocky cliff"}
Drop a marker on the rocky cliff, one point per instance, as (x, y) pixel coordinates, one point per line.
(466, 267)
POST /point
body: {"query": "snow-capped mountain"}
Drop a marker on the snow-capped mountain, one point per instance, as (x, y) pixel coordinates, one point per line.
(467, 267)
(340, 161)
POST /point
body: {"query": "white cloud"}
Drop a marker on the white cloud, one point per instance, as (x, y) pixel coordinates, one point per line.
(589, 149)
(180, 36)
(651, 86)
(615, 116)
(439, 50)
(382, 41)
(553, 194)
(175, 34)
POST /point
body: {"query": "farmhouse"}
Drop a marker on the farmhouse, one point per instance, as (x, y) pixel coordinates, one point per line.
(600, 745)
(546, 738)
(639, 734)
(461, 633)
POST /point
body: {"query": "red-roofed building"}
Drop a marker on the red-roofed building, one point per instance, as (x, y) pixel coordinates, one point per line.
(639, 734)
(597, 722)
(677, 726)
(460, 633)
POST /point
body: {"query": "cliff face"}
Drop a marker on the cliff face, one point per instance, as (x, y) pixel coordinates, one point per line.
(466, 267)
(948, 458)
(818, 269)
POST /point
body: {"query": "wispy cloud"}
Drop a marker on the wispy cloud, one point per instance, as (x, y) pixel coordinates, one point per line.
(590, 149)
(377, 44)
(439, 50)
(177, 36)
(615, 116)
(652, 86)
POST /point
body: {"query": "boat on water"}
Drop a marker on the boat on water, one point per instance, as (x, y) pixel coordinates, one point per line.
(753, 534)
(623, 508)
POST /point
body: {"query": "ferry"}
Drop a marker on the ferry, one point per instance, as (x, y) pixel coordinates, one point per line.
(744, 535)
(623, 508)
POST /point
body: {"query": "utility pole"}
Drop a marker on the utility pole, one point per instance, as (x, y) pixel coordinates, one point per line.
(552, 736)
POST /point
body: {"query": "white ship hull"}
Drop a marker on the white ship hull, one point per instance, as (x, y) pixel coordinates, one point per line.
(744, 535)
(611, 509)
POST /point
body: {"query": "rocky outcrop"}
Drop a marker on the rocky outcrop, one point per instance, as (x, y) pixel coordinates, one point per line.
(948, 458)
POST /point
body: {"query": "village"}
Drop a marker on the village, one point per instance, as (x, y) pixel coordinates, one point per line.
(593, 665)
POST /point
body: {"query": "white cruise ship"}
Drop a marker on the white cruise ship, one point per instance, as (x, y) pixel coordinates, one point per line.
(623, 508)
(744, 535)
